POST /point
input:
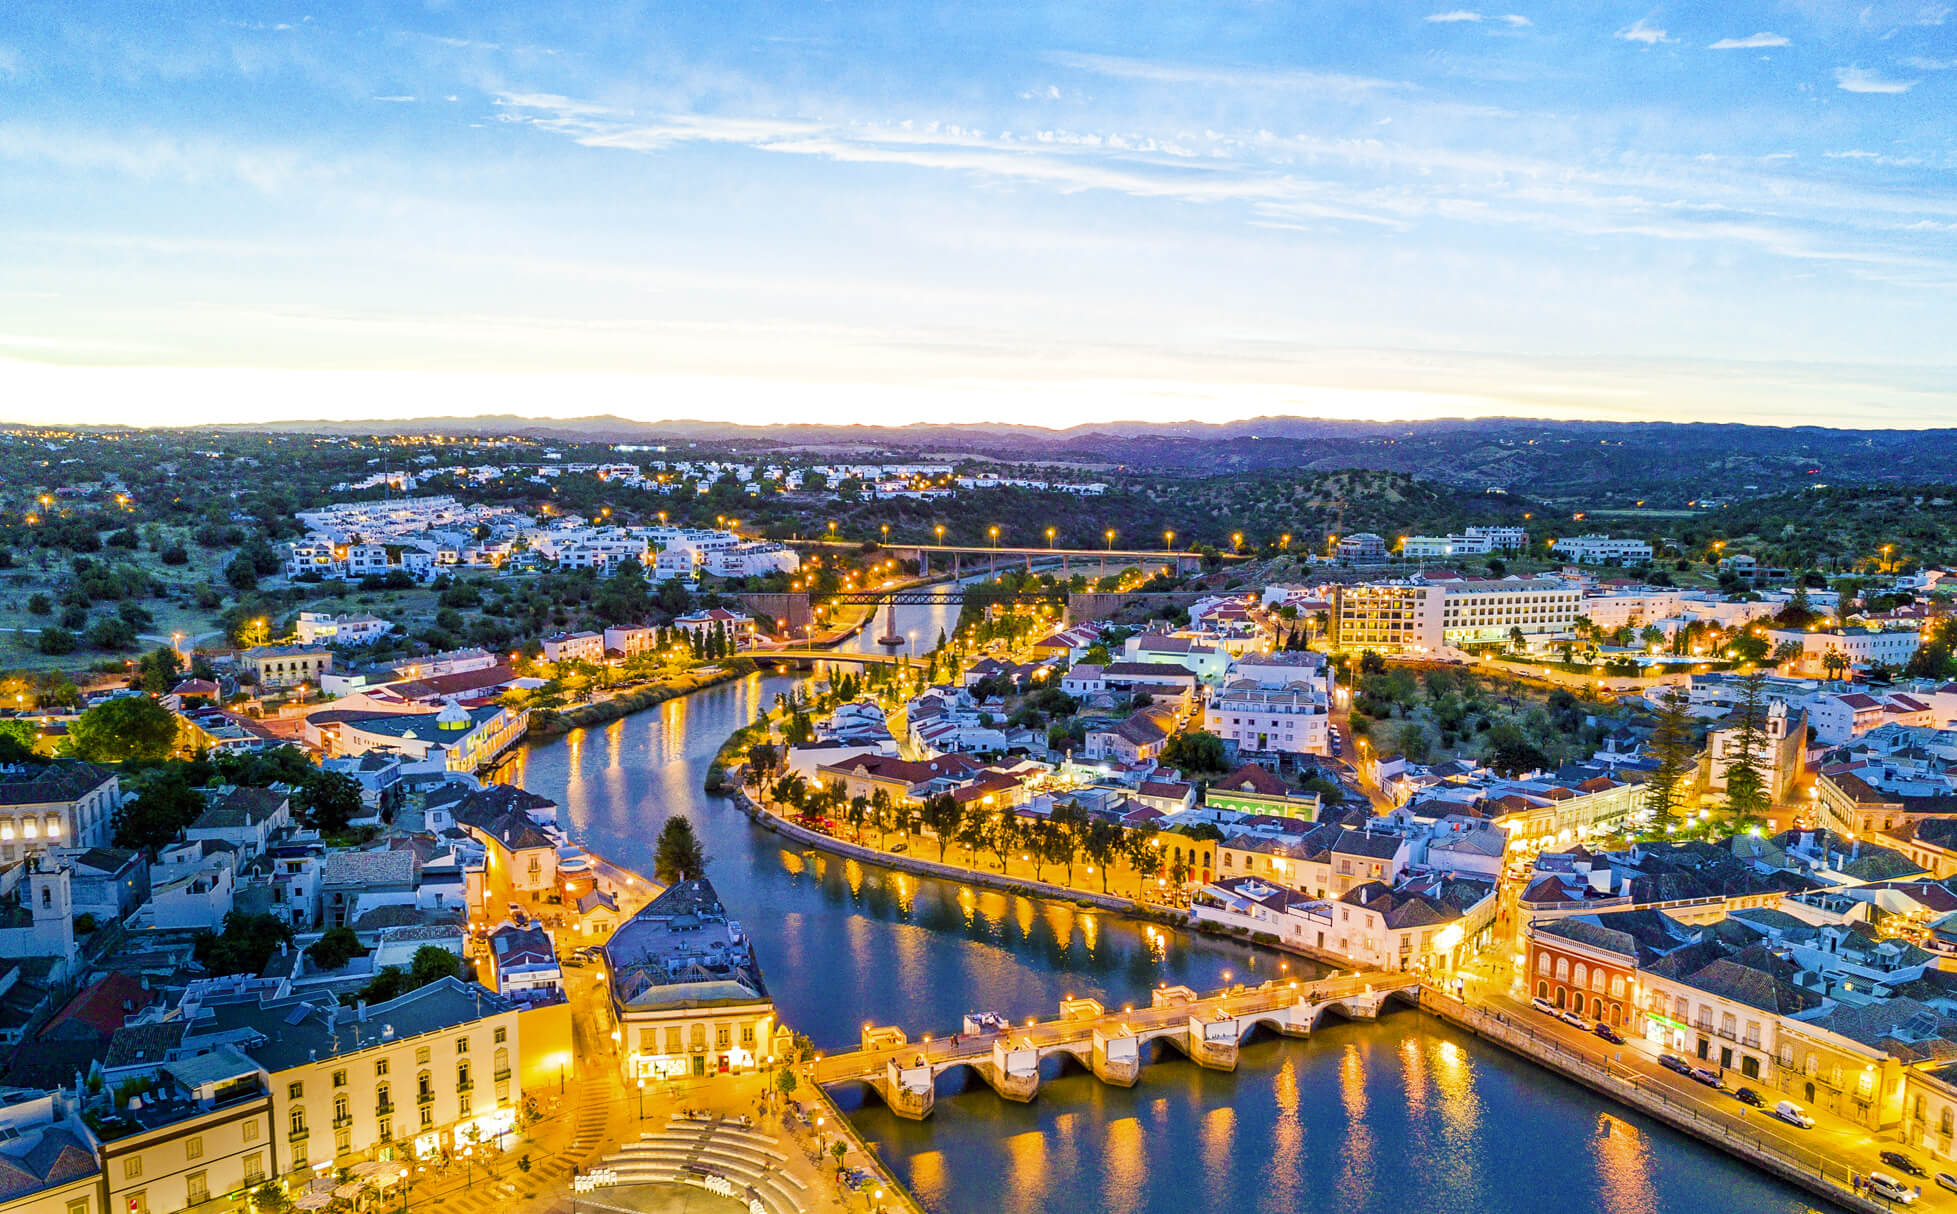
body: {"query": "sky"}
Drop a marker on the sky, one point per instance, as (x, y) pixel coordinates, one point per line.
(1047, 214)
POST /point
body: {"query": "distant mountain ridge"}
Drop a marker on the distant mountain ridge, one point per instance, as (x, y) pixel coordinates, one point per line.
(1673, 461)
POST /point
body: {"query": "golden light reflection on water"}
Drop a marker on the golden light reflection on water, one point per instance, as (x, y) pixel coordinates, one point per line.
(792, 863)
(1124, 1166)
(853, 877)
(1286, 1178)
(1218, 1132)
(1354, 1187)
(1460, 1100)
(927, 1178)
(1413, 1075)
(968, 906)
(1028, 1153)
(1624, 1168)
(1090, 933)
(906, 893)
(1022, 914)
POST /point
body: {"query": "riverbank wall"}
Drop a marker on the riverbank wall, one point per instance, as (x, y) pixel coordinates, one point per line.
(548, 723)
(1813, 1173)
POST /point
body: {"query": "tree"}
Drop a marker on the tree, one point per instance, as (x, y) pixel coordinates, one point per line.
(158, 814)
(1102, 844)
(785, 1082)
(679, 854)
(327, 801)
(129, 727)
(1511, 752)
(943, 814)
(55, 641)
(1835, 662)
(1747, 794)
(244, 946)
(16, 741)
(1143, 854)
(1195, 753)
(157, 670)
(337, 947)
(432, 963)
(1671, 745)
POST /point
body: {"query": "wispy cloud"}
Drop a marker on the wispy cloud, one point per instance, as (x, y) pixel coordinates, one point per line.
(1642, 31)
(1925, 64)
(1261, 79)
(1866, 80)
(402, 97)
(1750, 42)
(1462, 16)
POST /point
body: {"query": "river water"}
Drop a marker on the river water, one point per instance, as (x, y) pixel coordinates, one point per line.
(1399, 1115)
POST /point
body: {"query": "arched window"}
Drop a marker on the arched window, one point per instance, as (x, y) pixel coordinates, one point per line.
(1597, 981)
(298, 1119)
(1617, 986)
(1542, 963)
(1562, 969)
(383, 1097)
(424, 1085)
(1581, 976)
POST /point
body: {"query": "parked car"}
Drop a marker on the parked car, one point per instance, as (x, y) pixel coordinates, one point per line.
(1710, 1078)
(1947, 1181)
(1902, 1163)
(1794, 1114)
(1888, 1186)
(1573, 1020)
(1749, 1096)
(1672, 1062)
(1543, 1005)
(1607, 1033)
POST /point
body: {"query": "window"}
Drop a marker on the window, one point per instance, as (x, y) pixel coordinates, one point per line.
(461, 1045)
(380, 1066)
(251, 1130)
(1580, 976)
(254, 1168)
(1617, 986)
(1542, 964)
(1562, 969)
(502, 1034)
(295, 1091)
(421, 1055)
(197, 1187)
(193, 1147)
(722, 1037)
(132, 1167)
(462, 1080)
(342, 1141)
(139, 1202)
(384, 1098)
(339, 1079)
(747, 1036)
(78, 1206)
(673, 1043)
(427, 1116)
(1944, 1122)
(342, 1114)
(298, 1122)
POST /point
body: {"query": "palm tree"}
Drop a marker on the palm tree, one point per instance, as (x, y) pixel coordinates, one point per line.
(859, 809)
(1835, 662)
(880, 810)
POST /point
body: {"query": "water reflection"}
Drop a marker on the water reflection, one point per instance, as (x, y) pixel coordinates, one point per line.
(1402, 1115)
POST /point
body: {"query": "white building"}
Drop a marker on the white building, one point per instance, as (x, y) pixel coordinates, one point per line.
(1864, 648)
(1508, 539)
(1602, 550)
(575, 646)
(324, 628)
(1430, 547)
(1294, 719)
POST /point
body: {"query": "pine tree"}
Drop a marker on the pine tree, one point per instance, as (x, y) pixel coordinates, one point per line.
(1746, 786)
(1671, 746)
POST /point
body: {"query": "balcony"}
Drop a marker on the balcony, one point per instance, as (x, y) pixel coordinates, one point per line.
(343, 1122)
(298, 1134)
(424, 1098)
(502, 1076)
(384, 1109)
(465, 1085)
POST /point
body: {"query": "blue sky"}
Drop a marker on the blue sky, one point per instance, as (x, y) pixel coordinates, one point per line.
(1047, 214)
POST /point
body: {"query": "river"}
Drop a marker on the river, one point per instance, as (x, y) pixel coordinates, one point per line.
(1395, 1116)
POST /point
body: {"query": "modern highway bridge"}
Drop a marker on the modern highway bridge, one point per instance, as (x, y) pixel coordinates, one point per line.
(1208, 1029)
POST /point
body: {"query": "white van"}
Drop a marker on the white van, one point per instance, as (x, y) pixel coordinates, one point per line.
(1884, 1185)
(1794, 1114)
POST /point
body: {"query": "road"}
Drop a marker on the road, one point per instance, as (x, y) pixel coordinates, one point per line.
(1840, 1142)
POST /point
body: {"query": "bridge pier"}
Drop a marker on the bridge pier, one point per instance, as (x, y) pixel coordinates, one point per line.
(1014, 1071)
(1116, 1057)
(1213, 1043)
(910, 1091)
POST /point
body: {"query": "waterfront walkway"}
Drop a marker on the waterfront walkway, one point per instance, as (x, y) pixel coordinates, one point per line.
(1111, 1044)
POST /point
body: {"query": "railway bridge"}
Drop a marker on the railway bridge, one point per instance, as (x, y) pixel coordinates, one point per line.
(1208, 1029)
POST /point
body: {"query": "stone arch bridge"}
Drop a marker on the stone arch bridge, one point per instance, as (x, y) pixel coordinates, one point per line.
(1209, 1030)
